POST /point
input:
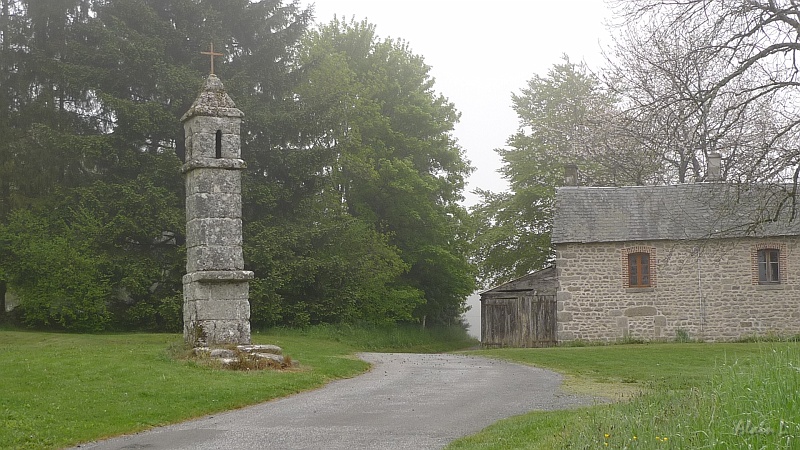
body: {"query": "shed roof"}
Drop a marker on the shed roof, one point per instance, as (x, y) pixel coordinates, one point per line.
(676, 212)
(543, 280)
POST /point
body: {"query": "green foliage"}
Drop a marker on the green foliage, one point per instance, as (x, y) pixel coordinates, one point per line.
(386, 338)
(682, 335)
(556, 114)
(134, 225)
(392, 160)
(55, 274)
(154, 313)
(350, 198)
(338, 271)
(100, 254)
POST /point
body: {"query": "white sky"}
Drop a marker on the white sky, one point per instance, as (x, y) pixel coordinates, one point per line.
(480, 52)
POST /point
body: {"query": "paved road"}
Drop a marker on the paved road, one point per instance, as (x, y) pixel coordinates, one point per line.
(407, 401)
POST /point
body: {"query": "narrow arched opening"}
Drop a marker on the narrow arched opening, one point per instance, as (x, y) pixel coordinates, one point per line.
(218, 146)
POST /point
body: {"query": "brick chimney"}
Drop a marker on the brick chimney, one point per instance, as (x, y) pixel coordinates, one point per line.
(570, 175)
(714, 172)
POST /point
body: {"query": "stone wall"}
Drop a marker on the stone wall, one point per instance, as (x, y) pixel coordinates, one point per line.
(706, 289)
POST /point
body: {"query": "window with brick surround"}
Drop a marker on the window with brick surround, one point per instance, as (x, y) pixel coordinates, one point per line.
(769, 266)
(769, 263)
(639, 267)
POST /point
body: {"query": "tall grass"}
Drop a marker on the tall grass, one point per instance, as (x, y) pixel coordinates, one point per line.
(692, 396)
(753, 404)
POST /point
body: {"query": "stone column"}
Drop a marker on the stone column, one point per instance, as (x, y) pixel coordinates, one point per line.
(216, 309)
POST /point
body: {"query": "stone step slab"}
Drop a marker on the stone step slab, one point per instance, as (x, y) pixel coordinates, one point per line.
(263, 348)
(229, 358)
(222, 353)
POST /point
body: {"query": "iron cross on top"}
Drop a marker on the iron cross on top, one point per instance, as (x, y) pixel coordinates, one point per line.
(211, 55)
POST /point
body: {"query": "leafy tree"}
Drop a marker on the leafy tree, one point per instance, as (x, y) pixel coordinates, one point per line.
(391, 161)
(96, 89)
(59, 280)
(566, 117)
(259, 40)
(350, 200)
(47, 137)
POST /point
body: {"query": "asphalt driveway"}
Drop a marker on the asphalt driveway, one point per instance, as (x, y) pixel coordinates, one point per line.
(407, 401)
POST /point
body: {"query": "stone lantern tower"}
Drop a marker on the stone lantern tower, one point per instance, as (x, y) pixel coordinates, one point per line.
(216, 309)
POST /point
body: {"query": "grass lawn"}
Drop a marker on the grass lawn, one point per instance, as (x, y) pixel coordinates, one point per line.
(62, 389)
(674, 396)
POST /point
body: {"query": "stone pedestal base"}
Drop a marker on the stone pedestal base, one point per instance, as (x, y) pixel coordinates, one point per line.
(247, 357)
(216, 309)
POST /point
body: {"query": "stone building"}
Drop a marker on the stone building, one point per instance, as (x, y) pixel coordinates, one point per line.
(710, 261)
(216, 309)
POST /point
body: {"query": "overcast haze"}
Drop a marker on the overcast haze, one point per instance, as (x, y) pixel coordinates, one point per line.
(481, 52)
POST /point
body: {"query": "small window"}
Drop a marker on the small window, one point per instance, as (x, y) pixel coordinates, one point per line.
(639, 269)
(769, 267)
(219, 144)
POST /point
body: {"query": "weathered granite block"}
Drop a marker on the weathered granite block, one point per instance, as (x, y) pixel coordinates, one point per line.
(214, 232)
(232, 290)
(260, 348)
(221, 353)
(269, 356)
(213, 163)
(219, 205)
(213, 181)
(219, 276)
(205, 145)
(230, 146)
(210, 124)
(201, 258)
(217, 309)
(217, 332)
(201, 144)
(566, 336)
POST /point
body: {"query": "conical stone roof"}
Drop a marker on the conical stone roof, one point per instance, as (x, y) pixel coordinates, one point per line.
(213, 101)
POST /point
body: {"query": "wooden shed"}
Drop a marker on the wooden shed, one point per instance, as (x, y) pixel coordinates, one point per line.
(522, 312)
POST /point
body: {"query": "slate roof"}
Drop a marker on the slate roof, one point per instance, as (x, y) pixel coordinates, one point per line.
(677, 212)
